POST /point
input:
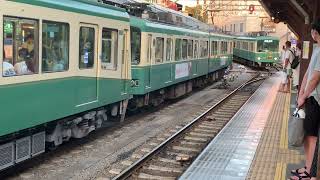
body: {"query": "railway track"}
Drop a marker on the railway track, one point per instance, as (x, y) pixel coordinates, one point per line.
(169, 159)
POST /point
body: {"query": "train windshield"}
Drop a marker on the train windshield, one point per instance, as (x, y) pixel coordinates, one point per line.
(135, 45)
(267, 45)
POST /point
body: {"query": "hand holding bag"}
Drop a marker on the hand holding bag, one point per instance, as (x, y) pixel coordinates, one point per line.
(295, 128)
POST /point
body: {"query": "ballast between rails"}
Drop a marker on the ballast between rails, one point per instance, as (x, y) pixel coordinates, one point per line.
(131, 169)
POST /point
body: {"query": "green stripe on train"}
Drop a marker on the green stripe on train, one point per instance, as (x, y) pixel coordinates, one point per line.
(44, 101)
(151, 78)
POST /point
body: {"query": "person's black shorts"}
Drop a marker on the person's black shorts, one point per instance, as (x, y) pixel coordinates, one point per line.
(311, 122)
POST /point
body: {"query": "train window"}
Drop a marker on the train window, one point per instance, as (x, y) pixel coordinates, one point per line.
(246, 45)
(238, 45)
(149, 53)
(178, 49)
(196, 49)
(230, 48)
(20, 46)
(267, 45)
(109, 49)
(169, 49)
(251, 46)
(184, 49)
(206, 49)
(55, 46)
(135, 45)
(224, 47)
(190, 49)
(214, 48)
(159, 50)
(203, 49)
(86, 47)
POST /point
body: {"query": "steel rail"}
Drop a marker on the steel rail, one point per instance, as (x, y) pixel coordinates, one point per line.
(129, 171)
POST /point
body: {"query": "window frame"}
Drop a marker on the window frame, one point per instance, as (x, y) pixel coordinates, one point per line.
(186, 49)
(175, 49)
(191, 56)
(113, 64)
(140, 35)
(36, 40)
(196, 46)
(94, 46)
(155, 52)
(69, 40)
(171, 50)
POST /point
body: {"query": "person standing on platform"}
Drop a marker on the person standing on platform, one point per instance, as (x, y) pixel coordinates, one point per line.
(296, 71)
(288, 58)
(310, 99)
(282, 54)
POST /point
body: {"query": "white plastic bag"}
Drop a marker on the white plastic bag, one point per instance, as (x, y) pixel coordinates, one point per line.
(284, 78)
(295, 128)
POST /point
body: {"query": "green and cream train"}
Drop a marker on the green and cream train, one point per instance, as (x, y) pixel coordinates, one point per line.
(67, 66)
(168, 61)
(260, 51)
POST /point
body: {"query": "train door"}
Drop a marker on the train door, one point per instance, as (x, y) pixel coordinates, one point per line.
(149, 61)
(88, 64)
(123, 38)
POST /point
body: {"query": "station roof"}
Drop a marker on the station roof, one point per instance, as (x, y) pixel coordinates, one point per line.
(296, 13)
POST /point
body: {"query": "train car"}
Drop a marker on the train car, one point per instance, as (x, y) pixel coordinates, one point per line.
(221, 52)
(258, 51)
(65, 69)
(168, 60)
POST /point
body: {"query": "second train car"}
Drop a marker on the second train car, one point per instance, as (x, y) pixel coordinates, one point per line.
(168, 61)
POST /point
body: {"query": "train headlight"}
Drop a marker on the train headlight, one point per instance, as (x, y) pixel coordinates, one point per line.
(275, 58)
(259, 58)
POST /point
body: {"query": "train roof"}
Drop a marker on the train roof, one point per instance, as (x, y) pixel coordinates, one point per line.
(88, 7)
(222, 36)
(257, 38)
(150, 26)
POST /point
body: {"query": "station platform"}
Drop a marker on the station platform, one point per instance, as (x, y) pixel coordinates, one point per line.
(254, 144)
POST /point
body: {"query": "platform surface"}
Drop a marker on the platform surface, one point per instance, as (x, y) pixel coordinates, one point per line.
(253, 145)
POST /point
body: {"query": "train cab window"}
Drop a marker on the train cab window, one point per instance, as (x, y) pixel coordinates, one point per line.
(20, 46)
(169, 49)
(109, 51)
(196, 49)
(55, 46)
(178, 49)
(184, 49)
(190, 49)
(135, 45)
(267, 45)
(159, 51)
(86, 47)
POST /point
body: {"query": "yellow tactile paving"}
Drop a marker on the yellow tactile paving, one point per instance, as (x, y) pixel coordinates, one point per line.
(273, 155)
